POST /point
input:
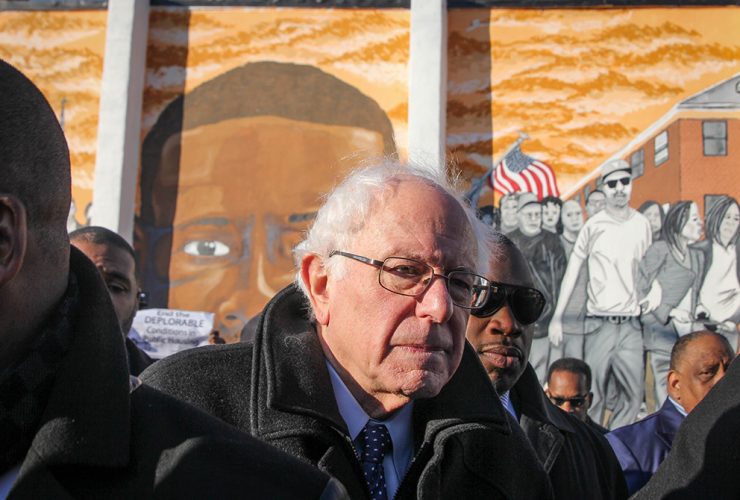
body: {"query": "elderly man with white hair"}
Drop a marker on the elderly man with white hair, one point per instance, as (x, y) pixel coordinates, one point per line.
(362, 369)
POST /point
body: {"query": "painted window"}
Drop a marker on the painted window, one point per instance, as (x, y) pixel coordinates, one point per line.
(661, 148)
(637, 162)
(714, 137)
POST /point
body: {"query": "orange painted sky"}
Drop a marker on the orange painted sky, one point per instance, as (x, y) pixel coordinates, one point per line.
(366, 48)
(580, 83)
(62, 52)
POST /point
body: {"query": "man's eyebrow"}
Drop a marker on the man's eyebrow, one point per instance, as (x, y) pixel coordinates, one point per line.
(117, 275)
(208, 221)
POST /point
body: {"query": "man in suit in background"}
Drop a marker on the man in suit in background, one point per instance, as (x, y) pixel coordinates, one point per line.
(115, 260)
(569, 388)
(698, 361)
(577, 458)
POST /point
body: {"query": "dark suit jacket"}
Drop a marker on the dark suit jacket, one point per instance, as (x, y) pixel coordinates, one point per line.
(578, 459)
(278, 389)
(102, 436)
(642, 446)
(138, 360)
(705, 457)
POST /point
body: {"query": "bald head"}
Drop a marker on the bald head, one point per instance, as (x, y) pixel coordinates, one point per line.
(698, 361)
(34, 203)
(34, 157)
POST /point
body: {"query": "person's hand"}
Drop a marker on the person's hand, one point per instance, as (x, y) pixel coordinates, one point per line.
(681, 315)
(726, 327)
(652, 299)
(555, 330)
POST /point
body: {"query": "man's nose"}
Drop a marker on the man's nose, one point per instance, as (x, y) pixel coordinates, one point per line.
(436, 302)
(504, 322)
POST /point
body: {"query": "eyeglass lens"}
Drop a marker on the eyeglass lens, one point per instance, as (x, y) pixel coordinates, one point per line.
(412, 277)
(624, 180)
(526, 303)
(576, 402)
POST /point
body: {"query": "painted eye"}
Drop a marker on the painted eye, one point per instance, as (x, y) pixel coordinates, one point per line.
(206, 248)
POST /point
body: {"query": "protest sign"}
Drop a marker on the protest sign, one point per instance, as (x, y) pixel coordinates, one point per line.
(161, 332)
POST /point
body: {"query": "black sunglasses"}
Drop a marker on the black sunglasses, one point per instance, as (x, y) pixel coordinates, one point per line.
(624, 180)
(526, 303)
(575, 402)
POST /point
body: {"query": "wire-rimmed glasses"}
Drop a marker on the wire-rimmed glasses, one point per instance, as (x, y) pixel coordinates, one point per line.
(413, 277)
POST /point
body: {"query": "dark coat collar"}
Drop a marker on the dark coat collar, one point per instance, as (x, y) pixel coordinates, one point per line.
(542, 422)
(667, 423)
(289, 365)
(86, 421)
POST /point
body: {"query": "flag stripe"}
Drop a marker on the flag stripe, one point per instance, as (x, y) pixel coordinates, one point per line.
(518, 172)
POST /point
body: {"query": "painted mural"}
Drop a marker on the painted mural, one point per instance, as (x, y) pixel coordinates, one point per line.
(62, 52)
(606, 144)
(250, 116)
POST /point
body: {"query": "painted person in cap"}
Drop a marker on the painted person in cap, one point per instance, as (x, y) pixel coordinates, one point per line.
(611, 244)
(547, 259)
(577, 458)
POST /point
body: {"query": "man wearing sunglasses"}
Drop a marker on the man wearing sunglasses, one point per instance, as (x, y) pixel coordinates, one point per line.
(578, 459)
(362, 368)
(569, 388)
(610, 244)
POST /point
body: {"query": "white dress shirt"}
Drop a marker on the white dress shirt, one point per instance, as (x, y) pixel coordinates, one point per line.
(395, 464)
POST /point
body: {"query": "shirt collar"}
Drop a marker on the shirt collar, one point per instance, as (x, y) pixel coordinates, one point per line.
(506, 401)
(398, 424)
(678, 406)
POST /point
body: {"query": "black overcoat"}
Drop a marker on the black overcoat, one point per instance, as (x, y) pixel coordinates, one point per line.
(277, 388)
(578, 458)
(105, 435)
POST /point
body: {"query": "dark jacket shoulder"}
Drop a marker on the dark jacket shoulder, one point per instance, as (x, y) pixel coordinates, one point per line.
(102, 436)
(578, 458)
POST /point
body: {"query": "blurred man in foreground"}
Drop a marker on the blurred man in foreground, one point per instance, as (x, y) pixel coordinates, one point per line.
(698, 361)
(363, 369)
(73, 424)
(578, 459)
(114, 258)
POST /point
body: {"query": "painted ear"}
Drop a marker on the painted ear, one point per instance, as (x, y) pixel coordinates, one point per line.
(13, 237)
(315, 279)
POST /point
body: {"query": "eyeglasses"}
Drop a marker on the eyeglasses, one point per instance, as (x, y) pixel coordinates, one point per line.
(412, 278)
(575, 401)
(613, 183)
(526, 303)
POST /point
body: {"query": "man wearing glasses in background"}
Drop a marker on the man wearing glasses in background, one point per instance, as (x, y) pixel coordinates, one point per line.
(569, 388)
(578, 459)
(611, 244)
(362, 368)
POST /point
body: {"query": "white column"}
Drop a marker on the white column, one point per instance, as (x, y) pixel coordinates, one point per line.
(117, 157)
(428, 80)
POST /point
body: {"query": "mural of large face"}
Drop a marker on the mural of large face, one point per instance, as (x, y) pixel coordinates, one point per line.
(234, 231)
(231, 197)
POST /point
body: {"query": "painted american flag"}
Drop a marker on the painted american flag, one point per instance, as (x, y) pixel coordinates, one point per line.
(519, 172)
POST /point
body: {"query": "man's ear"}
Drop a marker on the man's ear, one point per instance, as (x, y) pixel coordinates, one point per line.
(674, 385)
(589, 399)
(315, 277)
(13, 237)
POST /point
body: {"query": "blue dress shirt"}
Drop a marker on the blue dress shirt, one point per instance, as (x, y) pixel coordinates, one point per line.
(396, 464)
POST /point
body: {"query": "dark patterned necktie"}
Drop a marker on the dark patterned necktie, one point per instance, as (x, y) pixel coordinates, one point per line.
(374, 443)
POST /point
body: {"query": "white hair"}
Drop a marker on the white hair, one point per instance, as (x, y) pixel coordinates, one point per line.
(349, 207)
